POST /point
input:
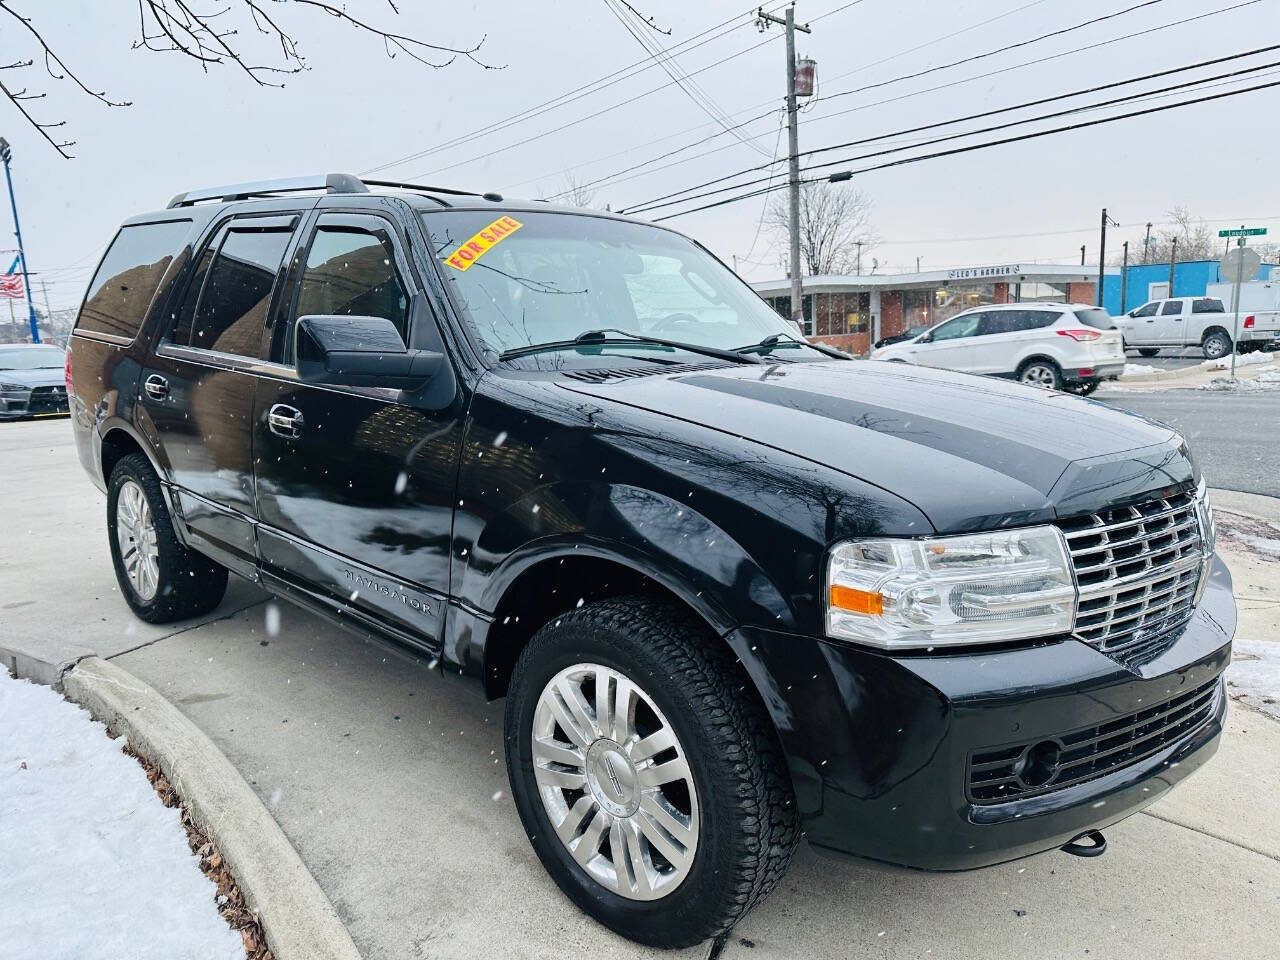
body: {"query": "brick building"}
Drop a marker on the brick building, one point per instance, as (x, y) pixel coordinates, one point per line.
(852, 312)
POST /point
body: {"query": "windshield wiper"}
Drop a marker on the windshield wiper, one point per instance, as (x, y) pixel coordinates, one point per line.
(775, 340)
(592, 338)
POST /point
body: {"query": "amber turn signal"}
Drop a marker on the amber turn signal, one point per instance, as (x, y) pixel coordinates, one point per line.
(857, 601)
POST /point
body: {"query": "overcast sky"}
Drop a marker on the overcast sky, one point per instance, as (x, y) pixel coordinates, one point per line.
(355, 109)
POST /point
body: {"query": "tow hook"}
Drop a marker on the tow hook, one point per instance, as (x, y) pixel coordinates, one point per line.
(1095, 848)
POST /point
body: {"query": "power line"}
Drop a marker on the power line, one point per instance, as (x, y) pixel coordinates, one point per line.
(907, 96)
(676, 197)
(570, 96)
(631, 100)
(848, 174)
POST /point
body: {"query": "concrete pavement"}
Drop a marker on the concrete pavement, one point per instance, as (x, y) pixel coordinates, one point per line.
(389, 783)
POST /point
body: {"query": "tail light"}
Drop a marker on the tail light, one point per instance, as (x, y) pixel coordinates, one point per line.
(1078, 334)
(1248, 321)
(66, 372)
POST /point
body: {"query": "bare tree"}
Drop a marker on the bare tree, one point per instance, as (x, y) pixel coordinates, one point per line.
(211, 38)
(575, 192)
(834, 222)
(1195, 240)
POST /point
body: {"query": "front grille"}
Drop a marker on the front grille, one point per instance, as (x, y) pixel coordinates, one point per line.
(1000, 775)
(47, 400)
(1137, 568)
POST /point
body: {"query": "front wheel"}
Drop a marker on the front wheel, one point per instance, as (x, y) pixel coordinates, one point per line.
(160, 579)
(647, 777)
(1041, 373)
(1216, 344)
(1148, 351)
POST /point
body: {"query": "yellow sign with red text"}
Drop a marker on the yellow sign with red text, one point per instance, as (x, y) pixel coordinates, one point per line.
(484, 241)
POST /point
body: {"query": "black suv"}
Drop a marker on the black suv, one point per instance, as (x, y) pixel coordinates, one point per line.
(734, 587)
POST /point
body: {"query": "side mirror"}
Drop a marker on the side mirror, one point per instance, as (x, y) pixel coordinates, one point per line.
(361, 352)
(925, 338)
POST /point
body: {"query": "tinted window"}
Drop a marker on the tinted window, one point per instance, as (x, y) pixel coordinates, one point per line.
(997, 321)
(1036, 319)
(126, 280)
(957, 327)
(1206, 305)
(231, 311)
(1096, 318)
(1147, 309)
(1172, 308)
(352, 272)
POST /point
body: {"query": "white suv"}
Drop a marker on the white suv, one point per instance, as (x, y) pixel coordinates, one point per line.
(1053, 345)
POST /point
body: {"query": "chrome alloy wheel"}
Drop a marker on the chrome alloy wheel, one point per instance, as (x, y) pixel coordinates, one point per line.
(136, 534)
(615, 782)
(1038, 375)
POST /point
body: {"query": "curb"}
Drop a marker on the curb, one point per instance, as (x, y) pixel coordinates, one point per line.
(299, 921)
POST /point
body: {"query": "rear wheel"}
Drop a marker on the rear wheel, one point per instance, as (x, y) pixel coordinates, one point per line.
(650, 784)
(1148, 351)
(1216, 344)
(1084, 387)
(160, 578)
(1041, 373)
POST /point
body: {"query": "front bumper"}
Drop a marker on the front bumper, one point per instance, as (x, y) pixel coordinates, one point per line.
(40, 402)
(879, 746)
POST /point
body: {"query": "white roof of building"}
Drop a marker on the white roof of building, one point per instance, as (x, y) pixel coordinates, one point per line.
(960, 276)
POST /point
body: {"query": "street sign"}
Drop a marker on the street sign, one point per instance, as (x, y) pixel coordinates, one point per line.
(1244, 232)
(1241, 262)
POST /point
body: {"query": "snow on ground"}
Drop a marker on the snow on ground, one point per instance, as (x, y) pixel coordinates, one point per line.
(1254, 674)
(1242, 360)
(1138, 370)
(92, 865)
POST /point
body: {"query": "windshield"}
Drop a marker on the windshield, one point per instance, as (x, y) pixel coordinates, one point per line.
(33, 358)
(535, 278)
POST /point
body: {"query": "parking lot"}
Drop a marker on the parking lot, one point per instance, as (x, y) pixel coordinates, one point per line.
(389, 781)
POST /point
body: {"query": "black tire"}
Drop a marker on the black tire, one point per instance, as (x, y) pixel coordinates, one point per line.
(1215, 345)
(1148, 351)
(748, 827)
(189, 584)
(1038, 372)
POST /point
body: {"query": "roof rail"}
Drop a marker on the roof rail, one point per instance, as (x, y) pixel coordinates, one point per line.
(423, 187)
(331, 182)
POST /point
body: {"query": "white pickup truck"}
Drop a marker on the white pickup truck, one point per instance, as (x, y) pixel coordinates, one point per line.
(1204, 321)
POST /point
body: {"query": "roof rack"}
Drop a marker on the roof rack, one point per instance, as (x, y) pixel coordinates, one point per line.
(449, 191)
(330, 182)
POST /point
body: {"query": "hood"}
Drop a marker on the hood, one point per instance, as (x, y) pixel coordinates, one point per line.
(969, 452)
(48, 377)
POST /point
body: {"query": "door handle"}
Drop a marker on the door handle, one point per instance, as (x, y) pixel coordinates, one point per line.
(285, 421)
(157, 387)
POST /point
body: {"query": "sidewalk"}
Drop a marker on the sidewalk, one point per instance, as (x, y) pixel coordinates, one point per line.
(1251, 368)
(389, 783)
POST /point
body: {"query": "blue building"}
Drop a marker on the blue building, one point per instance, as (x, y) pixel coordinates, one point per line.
(1150, 281)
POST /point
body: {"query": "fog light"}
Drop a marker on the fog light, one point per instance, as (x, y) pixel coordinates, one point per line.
(1039, 764)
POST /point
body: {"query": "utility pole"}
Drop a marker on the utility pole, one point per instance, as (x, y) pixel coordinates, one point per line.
(793, 160)
(1146, 246)
(1082, 254)
(1124, 277)
(917, 264)
(858, 267)
(5, 154)
(1173, 258)
(1102, 253)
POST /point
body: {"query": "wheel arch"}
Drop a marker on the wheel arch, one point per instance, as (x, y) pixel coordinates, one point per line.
(1211, 330)
(117, 440)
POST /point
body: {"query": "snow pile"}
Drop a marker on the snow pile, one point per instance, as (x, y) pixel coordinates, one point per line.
(1138, 370)
(1268, 376)
(1254, 674)
(1242, 360)
(92, 864)
(1227, 385)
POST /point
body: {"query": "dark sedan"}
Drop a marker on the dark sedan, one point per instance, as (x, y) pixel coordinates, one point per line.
(32, 381)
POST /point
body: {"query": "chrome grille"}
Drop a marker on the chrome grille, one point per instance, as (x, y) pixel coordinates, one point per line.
(1137, 568)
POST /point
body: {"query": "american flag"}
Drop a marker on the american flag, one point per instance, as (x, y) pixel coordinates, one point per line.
(11, 286)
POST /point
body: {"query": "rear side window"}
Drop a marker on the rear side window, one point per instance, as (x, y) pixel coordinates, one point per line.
(1172, 308)
(1206, 305)
(1035, 319)
(127, 278)
(232, 292)
(1097, 318)
(997, 321)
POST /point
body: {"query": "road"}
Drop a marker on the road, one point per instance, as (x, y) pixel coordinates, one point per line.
(388, 780)
(1168, 359)
(1234, 436)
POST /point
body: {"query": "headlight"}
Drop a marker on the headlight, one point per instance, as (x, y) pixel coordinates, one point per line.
(12, 386)
(946, 591)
